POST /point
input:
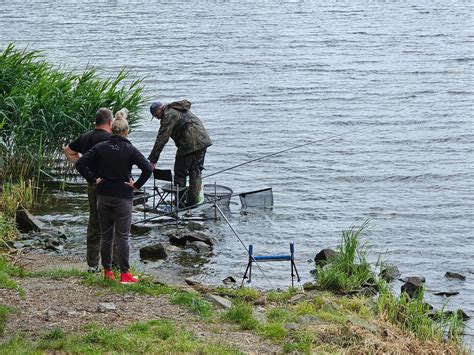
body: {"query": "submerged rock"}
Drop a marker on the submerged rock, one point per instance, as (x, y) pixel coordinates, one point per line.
(181, 237)
(199, 247)
(153, 252)
(324, 257)
(195, 226)
(455, 275)
(446, 293)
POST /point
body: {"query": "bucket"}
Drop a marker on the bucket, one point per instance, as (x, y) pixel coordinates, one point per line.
(219, 192)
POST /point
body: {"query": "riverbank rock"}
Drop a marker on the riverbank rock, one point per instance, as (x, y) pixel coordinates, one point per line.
(153, 252)
(455, 275)
(446, 293)
(199, 247)
(229, 280)
(324, 257)
(219, 301)
(389, 273)
(181, 237)
(51, 240)
(27, 222)
(413, 285)
(195, 226)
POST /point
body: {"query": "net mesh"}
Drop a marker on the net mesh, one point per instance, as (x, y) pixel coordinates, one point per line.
(260, 198)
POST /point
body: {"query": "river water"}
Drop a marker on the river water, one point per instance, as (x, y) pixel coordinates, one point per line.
(393, 80)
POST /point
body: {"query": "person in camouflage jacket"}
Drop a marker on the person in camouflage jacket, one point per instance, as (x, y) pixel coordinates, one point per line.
(191, 140)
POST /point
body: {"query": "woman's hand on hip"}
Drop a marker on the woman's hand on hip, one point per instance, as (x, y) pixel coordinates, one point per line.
(131, 183)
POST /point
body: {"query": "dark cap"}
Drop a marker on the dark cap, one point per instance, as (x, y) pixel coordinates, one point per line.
(155, 106)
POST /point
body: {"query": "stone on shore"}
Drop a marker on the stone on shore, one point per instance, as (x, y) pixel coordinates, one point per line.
(219, 301)
(153, 252)
(27, 222)
(324, 257)
(389, 273)
(229, 280)
(107, 307)
(413, 285)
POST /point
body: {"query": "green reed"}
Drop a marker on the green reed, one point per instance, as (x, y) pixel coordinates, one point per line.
(43, 108)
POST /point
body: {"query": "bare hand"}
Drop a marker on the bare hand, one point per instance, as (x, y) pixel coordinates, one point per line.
(131, 183)
(98, 181)
(153, 165)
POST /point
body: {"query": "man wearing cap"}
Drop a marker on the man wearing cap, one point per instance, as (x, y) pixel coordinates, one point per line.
(191, 140)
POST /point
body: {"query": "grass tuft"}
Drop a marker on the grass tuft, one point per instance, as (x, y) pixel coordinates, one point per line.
(349, 270)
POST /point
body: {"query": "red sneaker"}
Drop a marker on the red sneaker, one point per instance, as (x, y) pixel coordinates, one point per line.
(109, 274)
(127, 278)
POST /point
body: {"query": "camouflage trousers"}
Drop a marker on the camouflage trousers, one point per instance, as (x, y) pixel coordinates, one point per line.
(190, 164)
(93, 231)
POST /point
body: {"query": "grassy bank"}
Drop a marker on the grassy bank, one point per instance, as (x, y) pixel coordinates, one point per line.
(43, 108)
(317, 321)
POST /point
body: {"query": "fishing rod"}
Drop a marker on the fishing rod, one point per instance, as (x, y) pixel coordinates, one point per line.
(282, 151)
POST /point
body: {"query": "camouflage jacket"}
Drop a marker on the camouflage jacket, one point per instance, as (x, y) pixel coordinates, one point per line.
(186, 130)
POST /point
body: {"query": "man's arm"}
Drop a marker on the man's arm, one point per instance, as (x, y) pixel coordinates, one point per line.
(71, 155)
(164, 133)
(84, 165)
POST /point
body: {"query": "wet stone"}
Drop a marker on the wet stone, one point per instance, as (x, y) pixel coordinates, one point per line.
(446, 293)
(229, 280)
(324, 257)
(180, 237)
(199, 247)
(153, 252)
(455, 275)
(412, 285)
(389, 273)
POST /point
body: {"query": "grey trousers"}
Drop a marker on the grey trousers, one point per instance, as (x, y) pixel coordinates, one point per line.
(115, 218)
(93, 231)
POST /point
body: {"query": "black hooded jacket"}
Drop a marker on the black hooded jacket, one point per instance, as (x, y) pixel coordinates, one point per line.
(112, 161)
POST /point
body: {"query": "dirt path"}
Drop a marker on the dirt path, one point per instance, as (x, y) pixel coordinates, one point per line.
(69, 305)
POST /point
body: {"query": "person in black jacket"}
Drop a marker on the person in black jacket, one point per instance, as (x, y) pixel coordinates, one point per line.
(113, 161)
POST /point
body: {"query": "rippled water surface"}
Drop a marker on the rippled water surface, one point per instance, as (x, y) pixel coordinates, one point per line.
(387, 88)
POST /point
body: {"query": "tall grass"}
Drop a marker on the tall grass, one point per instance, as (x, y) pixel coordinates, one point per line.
(413, 315)
(43, 108)
(349, 270)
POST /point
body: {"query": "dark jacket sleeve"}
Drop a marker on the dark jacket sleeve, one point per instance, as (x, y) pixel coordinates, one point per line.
(166, 127)
(86, 163)
(143, 164)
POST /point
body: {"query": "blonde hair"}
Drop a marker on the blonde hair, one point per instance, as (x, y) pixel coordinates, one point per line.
(123, 113)
(120, 124)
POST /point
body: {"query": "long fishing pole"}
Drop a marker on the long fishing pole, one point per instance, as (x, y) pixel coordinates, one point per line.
(282, 151)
